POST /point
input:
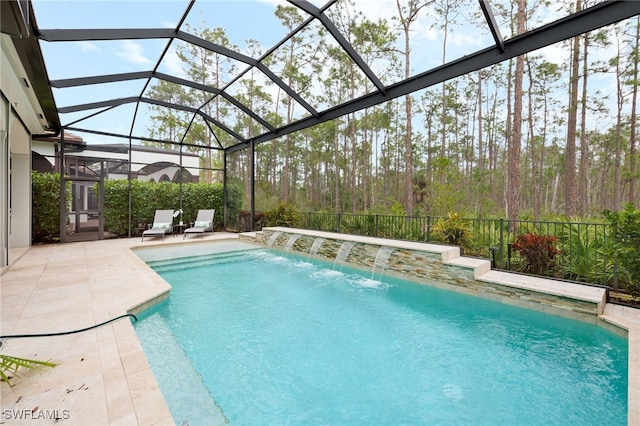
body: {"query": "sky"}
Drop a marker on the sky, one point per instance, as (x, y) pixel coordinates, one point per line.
(241, 19)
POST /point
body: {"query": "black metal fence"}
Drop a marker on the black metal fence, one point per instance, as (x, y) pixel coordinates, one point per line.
(571, 250)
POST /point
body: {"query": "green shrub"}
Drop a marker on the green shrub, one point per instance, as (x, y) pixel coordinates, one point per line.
(322, 222)
(400, 227)
(486, 234)
(583, 258)
(359, 224)
(285, 214)
(45, 191)
(623, 246)
(453, 230)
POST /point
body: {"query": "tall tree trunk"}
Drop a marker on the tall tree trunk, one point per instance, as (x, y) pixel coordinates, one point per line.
(541, 158)
(354, 162)
(407, 16)
(275, 148)
(493, 149)
(554, 196)
(508, 133)
(286, 171)
(336, 178)
(366, 161)
(443, 116)
(583, 170)
(535, 186)
(513, 185)
(617, 184)
(570, 151)
(480, 141)
(632, 138)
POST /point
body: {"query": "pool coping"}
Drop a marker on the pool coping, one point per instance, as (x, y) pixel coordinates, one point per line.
(103, 376)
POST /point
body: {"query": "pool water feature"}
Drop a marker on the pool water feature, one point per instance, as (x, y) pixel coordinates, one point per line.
(292, 240)
(343, 253)
(260, 339)
(317, 243)
(273, 238)
(382, 257)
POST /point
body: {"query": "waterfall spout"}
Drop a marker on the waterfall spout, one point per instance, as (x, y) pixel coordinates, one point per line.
(343, 253)
(382, 259)
(317, 243)
(273, 238)
(290, 243)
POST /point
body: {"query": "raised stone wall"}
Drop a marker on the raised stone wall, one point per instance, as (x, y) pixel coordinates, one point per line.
(442, 266)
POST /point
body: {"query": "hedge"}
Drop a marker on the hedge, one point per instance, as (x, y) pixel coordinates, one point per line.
(147, 197)
(45, 196)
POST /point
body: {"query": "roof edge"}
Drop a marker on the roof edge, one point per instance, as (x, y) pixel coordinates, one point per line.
(28, 49)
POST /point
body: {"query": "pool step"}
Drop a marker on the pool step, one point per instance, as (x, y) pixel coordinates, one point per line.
(168, 265)
(173, 370)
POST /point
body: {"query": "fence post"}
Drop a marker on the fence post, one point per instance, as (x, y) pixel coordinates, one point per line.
(493, 250)
(339, 222)
(377, 231)
(428, 228)
(501, 244)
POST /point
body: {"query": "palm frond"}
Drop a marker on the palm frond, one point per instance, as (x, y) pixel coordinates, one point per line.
(10, 365)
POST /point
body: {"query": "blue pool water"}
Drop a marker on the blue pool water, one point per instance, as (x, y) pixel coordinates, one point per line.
(253, 337)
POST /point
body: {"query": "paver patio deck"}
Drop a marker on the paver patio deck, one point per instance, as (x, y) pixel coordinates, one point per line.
(103, 376)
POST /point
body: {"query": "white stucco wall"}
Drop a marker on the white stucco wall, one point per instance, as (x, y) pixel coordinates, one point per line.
(20, 117)
(4, 181)
(20, 216)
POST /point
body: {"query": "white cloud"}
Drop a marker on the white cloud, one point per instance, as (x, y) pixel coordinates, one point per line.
(377, 9)
(168, 24)
(172, 64)
(274, 3)
(88, 47)
(132, 52)
(556, 53)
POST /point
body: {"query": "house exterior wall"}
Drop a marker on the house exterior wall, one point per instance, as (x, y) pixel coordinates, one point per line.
(20, 186)
(4, 181)
(20, 117)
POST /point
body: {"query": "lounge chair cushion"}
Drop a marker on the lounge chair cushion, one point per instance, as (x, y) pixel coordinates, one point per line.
(162, 225)
(202, 224)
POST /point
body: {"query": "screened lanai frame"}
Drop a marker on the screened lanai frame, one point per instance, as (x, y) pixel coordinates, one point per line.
(499, 50)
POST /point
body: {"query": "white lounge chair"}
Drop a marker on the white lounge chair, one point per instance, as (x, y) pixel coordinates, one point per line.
(203, 223)
(162, 224)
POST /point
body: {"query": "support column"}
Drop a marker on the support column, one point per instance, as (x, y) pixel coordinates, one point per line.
(4, 181)
(63, 192)
(253, 185)
(224, 191)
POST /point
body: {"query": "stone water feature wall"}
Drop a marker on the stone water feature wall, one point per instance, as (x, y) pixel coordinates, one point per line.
(440, 266)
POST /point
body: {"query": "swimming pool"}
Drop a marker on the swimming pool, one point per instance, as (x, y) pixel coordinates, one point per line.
(250, 336)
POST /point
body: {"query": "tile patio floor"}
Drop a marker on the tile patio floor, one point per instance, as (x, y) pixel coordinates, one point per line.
(103, 376)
